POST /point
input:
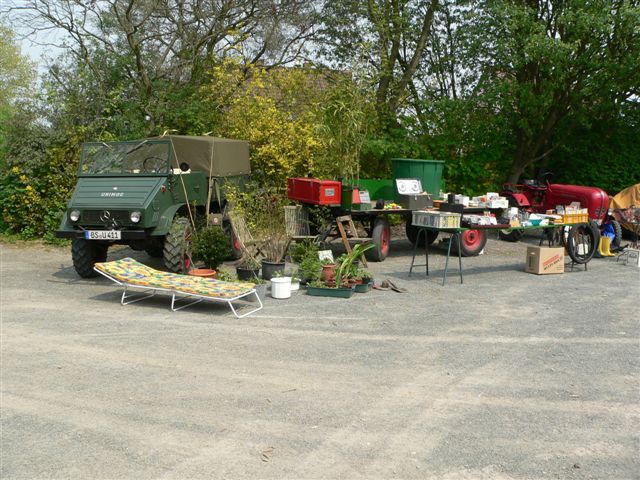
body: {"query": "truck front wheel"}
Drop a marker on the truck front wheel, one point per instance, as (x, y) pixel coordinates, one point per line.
(177, 246)
(85, 254)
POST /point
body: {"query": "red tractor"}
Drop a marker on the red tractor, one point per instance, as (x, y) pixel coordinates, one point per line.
(534, 196)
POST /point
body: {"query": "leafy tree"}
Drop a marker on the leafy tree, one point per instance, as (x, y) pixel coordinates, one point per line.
(554, 65)
(274, 111)
(16, 80)
(154, 46)
(391, 37)
(16, 71)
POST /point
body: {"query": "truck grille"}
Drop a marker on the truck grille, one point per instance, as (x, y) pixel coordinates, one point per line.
(105, 217)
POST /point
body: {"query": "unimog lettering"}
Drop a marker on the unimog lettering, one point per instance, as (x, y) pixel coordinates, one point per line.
(112, 194)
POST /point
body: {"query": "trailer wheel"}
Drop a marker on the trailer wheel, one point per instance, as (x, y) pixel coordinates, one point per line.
(510, 235)
(85, 254)
(472, 242)
(177, 246)
(412, 234)
(381, 237)
(582, 242)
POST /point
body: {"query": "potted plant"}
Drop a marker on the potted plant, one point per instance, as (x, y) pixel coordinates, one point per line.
(318, 288)
(262, 207)
(345, 269)
(210, 245)
(248, 267)
(328, 269)
(363, 280)
(226, 275)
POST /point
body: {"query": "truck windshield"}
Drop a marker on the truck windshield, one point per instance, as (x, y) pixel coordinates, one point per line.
(144, 157)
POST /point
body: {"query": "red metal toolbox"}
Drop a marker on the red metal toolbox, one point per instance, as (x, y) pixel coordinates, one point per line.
(314, 191)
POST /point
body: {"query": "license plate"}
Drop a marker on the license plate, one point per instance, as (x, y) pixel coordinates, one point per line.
(103, 235)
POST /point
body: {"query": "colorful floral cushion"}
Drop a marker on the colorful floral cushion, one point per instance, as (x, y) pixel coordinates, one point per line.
(131, 272)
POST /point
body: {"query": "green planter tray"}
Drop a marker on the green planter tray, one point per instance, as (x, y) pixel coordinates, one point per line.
(363, 287)
(330, 292)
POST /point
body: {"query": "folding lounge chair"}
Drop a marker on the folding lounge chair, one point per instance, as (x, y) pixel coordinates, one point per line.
(134, 275)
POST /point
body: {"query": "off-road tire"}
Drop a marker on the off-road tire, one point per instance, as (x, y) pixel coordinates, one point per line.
(177, 246)
(412, 234)
(85, 254)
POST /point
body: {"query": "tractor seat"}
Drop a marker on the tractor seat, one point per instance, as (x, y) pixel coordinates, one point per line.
(532, 183)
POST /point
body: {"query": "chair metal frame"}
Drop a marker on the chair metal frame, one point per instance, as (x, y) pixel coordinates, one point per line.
(177, 295)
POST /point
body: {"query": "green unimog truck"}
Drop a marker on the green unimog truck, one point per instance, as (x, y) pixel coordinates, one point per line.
(146, 194)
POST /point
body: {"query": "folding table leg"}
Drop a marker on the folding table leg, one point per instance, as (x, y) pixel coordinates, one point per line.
(421, 231)
(446, 263)
(460, 256)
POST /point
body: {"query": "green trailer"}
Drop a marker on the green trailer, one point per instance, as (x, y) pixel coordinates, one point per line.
(375, 220)
(429, 172)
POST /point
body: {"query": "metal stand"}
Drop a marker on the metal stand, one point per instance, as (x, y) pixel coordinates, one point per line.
(455, 236)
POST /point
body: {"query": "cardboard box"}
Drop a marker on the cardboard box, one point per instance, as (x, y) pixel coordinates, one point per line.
(544, 260)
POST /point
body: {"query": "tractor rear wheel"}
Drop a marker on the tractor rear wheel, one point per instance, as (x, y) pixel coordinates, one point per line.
(85, 254)
(615, 243)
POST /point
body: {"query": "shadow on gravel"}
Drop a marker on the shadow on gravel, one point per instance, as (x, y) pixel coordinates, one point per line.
(161, 303)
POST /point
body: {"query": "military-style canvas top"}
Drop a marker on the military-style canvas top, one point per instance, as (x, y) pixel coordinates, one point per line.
(216, 156)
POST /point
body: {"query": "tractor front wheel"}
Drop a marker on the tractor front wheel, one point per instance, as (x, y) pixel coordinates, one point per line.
(510, 235)
(85, 254)
(177, 246)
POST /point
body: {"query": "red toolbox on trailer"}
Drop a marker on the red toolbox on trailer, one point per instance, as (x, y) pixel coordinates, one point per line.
(314, 191)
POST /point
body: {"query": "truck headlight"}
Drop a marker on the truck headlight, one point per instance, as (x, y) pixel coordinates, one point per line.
(135, 217)
(74, 215)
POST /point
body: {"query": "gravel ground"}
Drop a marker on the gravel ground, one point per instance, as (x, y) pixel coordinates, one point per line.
(509, 375)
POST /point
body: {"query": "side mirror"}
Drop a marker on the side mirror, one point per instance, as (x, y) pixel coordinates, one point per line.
(184, 166)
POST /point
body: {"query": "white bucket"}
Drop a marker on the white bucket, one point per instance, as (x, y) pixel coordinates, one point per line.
(281, 287)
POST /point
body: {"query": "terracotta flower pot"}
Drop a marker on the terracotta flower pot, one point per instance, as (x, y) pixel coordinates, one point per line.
(328, 272)
(203, 272)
